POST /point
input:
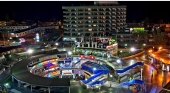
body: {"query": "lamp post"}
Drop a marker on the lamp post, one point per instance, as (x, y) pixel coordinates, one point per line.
(68, 53)
(56, 44)
(132, 49)
(119, 62)
(110, 76)
(94, 70)
(29, 51)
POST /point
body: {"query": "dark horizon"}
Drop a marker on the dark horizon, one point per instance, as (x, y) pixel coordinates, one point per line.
(46, 10)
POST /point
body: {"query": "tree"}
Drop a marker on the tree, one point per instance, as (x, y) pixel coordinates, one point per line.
(137, 36)
(112, 41)
(73, 48)
(145, 36)
(5, 35)
(159, 38)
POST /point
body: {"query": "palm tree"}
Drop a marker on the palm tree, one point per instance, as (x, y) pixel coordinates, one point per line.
(145, 36)
(73, 48)
(3, 34)
(136, 36)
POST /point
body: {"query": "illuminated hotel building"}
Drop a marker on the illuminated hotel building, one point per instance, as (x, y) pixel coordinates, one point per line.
(93, 22)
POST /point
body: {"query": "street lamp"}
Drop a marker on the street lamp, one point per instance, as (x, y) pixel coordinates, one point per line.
(69, 53)
(131, 62)
(160, 48)
(56, 44)
(132, 49)
(144, 44)
(30, 51)
(110, 79)
(118, 61)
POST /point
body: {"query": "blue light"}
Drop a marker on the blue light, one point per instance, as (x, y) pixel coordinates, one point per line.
(94, 68)
(49, 75)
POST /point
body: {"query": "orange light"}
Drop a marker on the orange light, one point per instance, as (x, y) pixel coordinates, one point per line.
(150, 51)
(160, 48)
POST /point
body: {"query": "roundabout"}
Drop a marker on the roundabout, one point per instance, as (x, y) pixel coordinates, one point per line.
(50, 71)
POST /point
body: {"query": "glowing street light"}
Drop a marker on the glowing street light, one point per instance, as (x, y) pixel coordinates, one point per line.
(94, 68)
(56, 44)
(30, 51)
(160, 48)
(144, 44)
(132, 49)
(69, 53)
(118, 61)
(131, 62)
(150, 51)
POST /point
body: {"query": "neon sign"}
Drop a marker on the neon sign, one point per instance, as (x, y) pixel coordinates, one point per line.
(138, 29)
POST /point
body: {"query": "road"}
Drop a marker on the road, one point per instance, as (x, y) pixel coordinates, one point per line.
(155, 78)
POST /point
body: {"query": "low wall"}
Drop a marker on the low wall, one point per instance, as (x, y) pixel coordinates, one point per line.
(132, 56)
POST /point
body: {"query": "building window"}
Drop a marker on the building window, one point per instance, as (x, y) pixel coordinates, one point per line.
(94, 24)
(89, 9)
(90, 29)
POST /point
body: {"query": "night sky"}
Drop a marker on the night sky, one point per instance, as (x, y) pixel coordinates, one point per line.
(46, 10)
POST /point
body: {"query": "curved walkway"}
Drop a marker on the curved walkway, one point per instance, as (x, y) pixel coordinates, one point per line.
(20, 72)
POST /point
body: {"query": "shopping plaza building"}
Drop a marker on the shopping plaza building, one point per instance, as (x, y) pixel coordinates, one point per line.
(91, 23)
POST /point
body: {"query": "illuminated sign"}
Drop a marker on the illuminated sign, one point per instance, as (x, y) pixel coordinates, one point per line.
(66, 72)
(37, 37)
(22, 40)
(138, 29)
